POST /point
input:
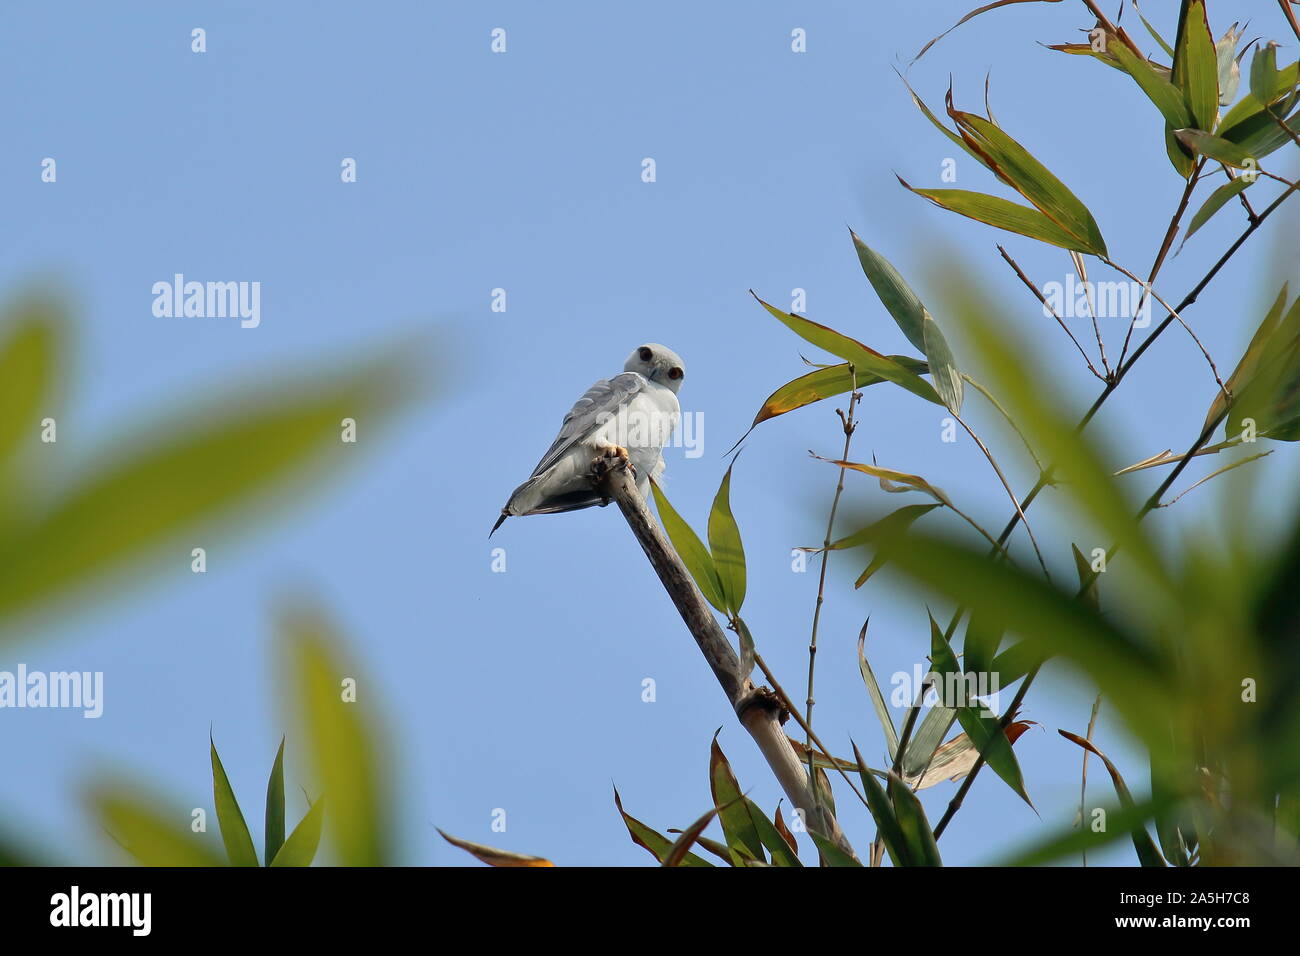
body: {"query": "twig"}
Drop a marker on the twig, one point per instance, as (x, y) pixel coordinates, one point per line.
(1214, 474)
(1046, 305)
(756, 707)
(1290, 16)
(849, 425)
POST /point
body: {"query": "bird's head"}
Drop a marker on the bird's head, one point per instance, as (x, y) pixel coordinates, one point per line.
(659, 364)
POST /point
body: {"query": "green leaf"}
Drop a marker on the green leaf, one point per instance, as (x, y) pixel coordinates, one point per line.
(659, 845)
(914, 320)
(877, 698)
(146, 830)
(831, 852)
(726, 548)
(691, 550)
(882, 811)
(927, 738)
(772, 838)
(921, 846)
(1220, 150)
(863, 359)
(1142, 842)
(1262, 344)
(1002, 213)
(275, 808)
(1018, 168)
(300, 848)
(1196, 66)
(1260, 133)
(826, 383)
(193, 471)
(29, 357)
(737, 823)
(234, 831)
(1160, 91)
(1264, 79)
(1215, 202)
(1249, 107)
(984, 731)
(343, 744)
(1164, 44)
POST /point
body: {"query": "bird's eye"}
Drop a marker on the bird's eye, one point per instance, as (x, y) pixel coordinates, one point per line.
(674, 372)
(645, 354)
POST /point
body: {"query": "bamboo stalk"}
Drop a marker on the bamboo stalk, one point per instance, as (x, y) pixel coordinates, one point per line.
(756, 707)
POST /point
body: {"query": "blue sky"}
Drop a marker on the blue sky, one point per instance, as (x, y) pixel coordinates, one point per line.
(522, 171)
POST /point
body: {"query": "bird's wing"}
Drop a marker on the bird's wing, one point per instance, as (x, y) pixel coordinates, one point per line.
(603, 398)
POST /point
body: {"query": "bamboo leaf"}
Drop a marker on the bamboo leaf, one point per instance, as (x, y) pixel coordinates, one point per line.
(29, 359)
(658, 844)
(1220, 150)
(737, 823)
(1264, 79)
(772, 837)
(274, 825)
(882, 811)
(147, 830)
(898, 520)
(877, 698)
(914, 320)
(300, 849)
(692, 551)
(1142, 842)
(864, 359)
(1215, 202)
(1004, 214)
(1196, 66)
(826, 383)
(917, 834)
(493, 856)
(726, 548)
(343, 743)
(138, 499)
(234, 831)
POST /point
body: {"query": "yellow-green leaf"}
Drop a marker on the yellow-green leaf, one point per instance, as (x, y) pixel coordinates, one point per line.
(1004, 214)
(300, 848)
(727, 550)
(690, 549)
(234, 830)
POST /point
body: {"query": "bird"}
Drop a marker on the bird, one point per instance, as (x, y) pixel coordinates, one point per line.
(631, 416)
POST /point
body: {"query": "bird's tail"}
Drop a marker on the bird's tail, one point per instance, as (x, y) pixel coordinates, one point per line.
(500, 521)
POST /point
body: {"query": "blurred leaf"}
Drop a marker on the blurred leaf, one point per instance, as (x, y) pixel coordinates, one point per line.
(275, 808)
(1196, 65)
(919, 838)
(1142, 842)
(658, 844)
(899, 519)
(1072, 841)
(202, 469)
(726, 548)
(1131, 672)
(1215, 202)
(914, 320)
(877, 698)
(867, 361)
(494, 857)
(300, 848)
(343, 744)
(30, 353)
(737, 823)
(983, 637)
(145, 830)
(691, 550)
(234, 831)
(1219, 150)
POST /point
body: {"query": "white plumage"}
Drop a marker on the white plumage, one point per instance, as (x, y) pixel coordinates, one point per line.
(635, 411)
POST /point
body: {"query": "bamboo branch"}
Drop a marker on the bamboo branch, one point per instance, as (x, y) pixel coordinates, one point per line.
(756, 707)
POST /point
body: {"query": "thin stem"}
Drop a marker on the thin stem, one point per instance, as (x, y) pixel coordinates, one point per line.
(1290, 16)
(1083, 781)
(1046, 305)
(847, 420)
(1007, 415)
